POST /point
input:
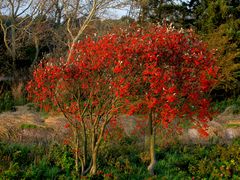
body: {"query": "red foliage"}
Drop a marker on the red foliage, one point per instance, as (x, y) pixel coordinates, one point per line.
(166, 71)
(82, 83)
(157, 68)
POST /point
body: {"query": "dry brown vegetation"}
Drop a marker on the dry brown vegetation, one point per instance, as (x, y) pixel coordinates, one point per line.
(27, 125)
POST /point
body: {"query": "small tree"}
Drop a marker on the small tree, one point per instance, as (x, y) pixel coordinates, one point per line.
(165, 74)
(81, 90)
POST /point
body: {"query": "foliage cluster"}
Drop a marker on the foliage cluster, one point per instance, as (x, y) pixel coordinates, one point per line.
(11, 94)
(28, 126)
(8, 102)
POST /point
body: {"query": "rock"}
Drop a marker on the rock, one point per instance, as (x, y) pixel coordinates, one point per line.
(193, 134)
(132, 124)
(215, 125)
(232, 133)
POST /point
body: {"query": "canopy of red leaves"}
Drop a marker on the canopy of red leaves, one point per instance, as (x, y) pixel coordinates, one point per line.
(157, 68)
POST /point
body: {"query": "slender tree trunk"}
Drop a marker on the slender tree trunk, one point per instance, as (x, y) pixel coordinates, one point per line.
(94, 153)
(76, 140)
(85, 169)
(36, 41)
(151, 144)
(94, 163)
(96, 141)
(84, 147)
(13, 42)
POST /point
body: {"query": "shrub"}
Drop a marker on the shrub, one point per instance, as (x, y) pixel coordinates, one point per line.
(6, 101)
(222, 105)
(35, 162)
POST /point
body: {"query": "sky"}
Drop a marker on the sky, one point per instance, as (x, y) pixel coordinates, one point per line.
(118, 13)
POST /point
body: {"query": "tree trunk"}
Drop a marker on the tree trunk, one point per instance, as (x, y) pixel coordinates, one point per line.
(76, 141)
(151, 145)
(13, 47)
(94, 163)
(36, 41)
(94, 153)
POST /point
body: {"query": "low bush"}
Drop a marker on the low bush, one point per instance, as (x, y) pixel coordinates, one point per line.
(35, 162)
(233, 102)
(6, 101)
(122, 159)
(198, 161)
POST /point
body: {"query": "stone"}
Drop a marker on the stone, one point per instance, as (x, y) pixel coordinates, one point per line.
(232, 133)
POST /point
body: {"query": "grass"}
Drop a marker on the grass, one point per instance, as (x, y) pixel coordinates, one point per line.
(232, 125)
(122, 160)
(29, 126)
(222, 105)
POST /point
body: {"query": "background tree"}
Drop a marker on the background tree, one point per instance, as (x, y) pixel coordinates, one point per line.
(16, 17)
(159, 10)
(218, 22)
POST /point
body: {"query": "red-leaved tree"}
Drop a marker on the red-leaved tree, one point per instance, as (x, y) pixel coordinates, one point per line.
(165, 74)
(159, 72)
(81, 89)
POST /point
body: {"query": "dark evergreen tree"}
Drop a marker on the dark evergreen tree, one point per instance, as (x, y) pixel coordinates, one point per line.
(218, 21)
(158, 11)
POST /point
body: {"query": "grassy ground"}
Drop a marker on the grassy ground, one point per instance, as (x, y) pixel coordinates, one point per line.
(122, 160)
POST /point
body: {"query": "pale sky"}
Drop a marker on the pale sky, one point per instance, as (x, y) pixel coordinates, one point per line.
(118, 13)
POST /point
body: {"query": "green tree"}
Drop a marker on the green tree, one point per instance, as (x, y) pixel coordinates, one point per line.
(218, 21)
(159, 10)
